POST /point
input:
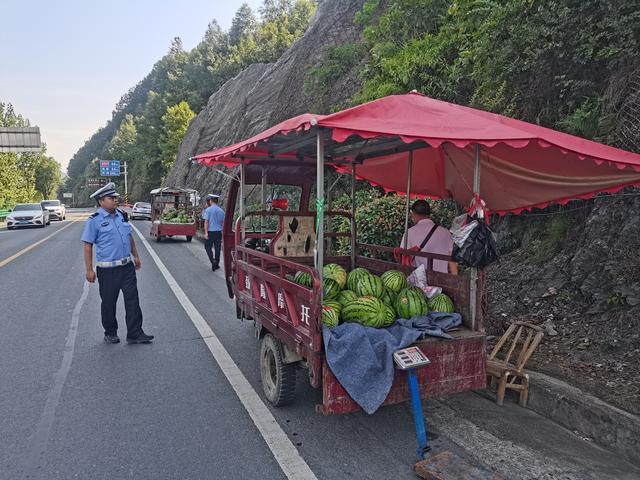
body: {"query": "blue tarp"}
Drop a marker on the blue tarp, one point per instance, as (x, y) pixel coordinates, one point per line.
(361, 357)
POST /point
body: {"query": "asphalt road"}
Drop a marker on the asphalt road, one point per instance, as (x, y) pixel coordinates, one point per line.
(73, 407)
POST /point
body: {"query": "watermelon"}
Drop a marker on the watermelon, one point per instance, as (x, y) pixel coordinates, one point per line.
(394, 280)
(335, 272)
(346, 296)
(369, 285)
(303, 278)
(330, 288)
(440, 303)
(389, 316)
(333, 304)
(388, 297)
(410, 303)
(330, 316)
(353, 277)
(368, 311)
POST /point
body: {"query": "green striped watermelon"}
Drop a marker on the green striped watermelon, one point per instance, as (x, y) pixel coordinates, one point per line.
(440, 303)
(329, 316)
(335, 272)
(368, 311)
(394, 280)
(333, 304)
(388, 297)
(330, 288)
(353, 277)
(369, 285)
(346, 296)
(389, 316)
(411, 302)
(303, 278)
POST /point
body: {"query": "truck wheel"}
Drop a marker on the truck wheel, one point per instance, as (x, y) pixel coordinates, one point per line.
(189, 237)
(278, 379)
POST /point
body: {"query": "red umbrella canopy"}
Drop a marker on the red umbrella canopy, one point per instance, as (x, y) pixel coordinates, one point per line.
(522, 165)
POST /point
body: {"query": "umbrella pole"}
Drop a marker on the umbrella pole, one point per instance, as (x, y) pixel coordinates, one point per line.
(406, 215)
(353, 216)
(319, 250)
(473, 290)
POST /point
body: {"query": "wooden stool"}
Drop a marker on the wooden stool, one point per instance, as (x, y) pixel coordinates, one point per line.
(522, 339)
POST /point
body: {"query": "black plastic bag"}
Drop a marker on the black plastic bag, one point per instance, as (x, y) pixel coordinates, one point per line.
(479, 248)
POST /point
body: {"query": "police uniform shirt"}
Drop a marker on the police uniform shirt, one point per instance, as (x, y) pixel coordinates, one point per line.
(215, 215)
(110, 234)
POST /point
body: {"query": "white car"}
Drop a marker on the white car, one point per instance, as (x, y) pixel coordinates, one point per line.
(141, 210)
(56, 209)
(28, 215)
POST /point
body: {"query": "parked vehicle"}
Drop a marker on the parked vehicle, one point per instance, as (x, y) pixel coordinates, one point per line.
(173, 212)
(28, 215)
(57, 210)
(141, 210)
(408, 144)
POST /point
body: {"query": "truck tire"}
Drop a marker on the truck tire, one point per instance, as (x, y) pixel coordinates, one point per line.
(278, 379)
(189, 237)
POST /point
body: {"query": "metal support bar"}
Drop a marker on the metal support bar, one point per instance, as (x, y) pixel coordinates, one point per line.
(418, 417)
(406, 215)
(263, 185)
(473, 287)
(319, 250)
(353, 216)
(242, 212)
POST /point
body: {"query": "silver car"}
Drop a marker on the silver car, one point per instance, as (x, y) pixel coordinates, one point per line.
(56, 209)
(141, 210)
(28, 215)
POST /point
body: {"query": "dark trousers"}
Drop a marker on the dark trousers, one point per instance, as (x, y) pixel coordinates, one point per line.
(214, 240)
(111, 281)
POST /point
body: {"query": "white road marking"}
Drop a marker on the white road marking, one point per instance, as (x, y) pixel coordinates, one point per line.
(25, 250)
(285, 453)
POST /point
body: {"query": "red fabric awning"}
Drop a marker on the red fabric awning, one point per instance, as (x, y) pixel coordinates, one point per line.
(522, 165)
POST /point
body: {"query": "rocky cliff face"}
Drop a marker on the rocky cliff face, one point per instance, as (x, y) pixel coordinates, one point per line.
(266, 94)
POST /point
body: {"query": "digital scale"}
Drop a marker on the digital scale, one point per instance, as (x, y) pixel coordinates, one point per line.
(409, 359)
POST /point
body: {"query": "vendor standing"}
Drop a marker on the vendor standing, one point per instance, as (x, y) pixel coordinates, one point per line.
(428, 237)
(116, 263)
(213, 217)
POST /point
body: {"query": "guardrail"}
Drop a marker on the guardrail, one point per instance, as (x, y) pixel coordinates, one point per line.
(4, 214)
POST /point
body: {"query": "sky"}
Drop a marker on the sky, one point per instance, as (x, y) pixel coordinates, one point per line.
(65, 64)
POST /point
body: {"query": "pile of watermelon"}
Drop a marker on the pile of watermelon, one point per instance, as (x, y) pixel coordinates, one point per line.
(373, 301)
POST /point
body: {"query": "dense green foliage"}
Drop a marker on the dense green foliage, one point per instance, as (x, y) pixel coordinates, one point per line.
(150, 120)
(25, 177)
(544, 61)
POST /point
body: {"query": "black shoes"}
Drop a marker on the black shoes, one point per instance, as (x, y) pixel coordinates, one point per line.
(111, 339)
(214, 267)
(142, 338)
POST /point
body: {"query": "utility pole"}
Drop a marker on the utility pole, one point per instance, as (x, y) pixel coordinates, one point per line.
(126, 188)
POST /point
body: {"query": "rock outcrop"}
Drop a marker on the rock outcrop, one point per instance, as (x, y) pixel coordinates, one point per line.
(265, 94)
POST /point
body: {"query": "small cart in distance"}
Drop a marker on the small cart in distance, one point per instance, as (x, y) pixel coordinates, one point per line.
(173, 212)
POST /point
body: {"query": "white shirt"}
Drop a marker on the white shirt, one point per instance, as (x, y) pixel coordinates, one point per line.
(440, 243)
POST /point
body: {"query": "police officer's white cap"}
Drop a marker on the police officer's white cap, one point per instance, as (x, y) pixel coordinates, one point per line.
(109, 190)
(212, 195)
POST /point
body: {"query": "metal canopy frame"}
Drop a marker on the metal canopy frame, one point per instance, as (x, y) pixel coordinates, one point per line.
(316, 145)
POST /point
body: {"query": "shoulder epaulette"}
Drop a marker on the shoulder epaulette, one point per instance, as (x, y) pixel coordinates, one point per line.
(125, 215)
(94, 215)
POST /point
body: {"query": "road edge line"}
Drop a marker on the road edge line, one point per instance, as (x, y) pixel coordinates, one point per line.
(285, 453)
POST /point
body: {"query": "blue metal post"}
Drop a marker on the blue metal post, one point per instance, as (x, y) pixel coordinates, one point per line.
(418, 417)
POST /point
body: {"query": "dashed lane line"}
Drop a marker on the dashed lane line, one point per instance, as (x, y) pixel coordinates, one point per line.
(285, 453)
(25, 250)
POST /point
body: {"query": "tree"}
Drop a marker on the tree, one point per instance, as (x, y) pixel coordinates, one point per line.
(175, 124)
(47, 176)
(243, 24)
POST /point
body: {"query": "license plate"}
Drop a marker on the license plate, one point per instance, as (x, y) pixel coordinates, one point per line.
(23, 223)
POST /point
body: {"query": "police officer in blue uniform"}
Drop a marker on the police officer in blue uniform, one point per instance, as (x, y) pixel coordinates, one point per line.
(116, 263)
(213, 217)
